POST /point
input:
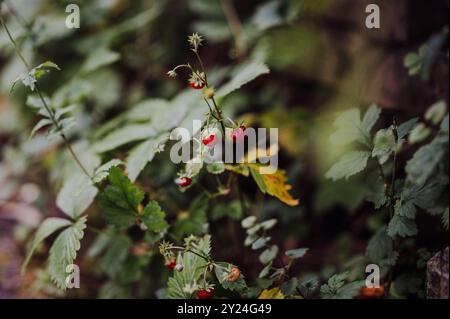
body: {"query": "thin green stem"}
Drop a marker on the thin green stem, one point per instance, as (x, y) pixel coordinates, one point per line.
(49, 110)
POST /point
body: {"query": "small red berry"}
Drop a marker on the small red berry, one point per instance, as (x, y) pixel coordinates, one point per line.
(171, 262)
(209, 139)
(197, 85)
(205, 294)
(183, 181)
(238, 134)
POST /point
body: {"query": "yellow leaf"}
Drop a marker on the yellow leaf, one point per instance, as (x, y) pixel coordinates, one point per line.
(273, 293)
(276, 186)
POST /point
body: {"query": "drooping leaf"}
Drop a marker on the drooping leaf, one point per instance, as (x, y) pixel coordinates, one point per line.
(48, 227)
(64, 252)
(349, 165)
(242, 75)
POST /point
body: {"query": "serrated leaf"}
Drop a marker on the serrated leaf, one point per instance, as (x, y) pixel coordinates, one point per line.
(349, 165)
(193, 267)
(347, 125)
(76, 195)
(337, 289)
(384, 144)
(380, 246)
(48, 227)
(371, 117)
(154, 218)
(242, 75)
(120, 200)
(64, 251)
(401, 226)
(222, 270)
(296, 253)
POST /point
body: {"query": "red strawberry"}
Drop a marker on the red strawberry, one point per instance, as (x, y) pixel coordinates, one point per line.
(209, 139)
(183, 181)
(238, 134)
(205, 294)
(197, 85)
(172, 265)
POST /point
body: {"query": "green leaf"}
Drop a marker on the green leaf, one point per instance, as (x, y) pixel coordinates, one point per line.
(260, 243)
(98, 58)
(337, 289)
(296, 253)
(124, 135)
(195, 220)
(401, 226)
(120, 200)
(193, 267)
(222, 270)
(370, 118)
(268, 255)
(426, 159)
(350, 164)
(380, 246)
(268, 224)
(384, 144)
(241, 76)
(42, 123)
(419, 133)
(64, 251)
(436, 112)
(142, 154)
(406, 127)
(216, 168)
(76, 195)
(48, 227)
(248, 221)
(102, 171)
(258, 179)
(154, 218)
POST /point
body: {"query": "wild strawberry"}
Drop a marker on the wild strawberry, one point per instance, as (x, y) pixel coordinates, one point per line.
(367, 292)
(234, 274)
(197, 85)
(183, 181)
(238, 134)
(210, 139)
(171, 263)
(205, 294)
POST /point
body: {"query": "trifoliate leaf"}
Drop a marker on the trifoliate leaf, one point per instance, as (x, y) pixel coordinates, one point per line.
(349, 165)
(241, 76)
(296, 253)
(401, 226)
(154, 218)
(120, 200)
(48, 227)
(64, 252)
